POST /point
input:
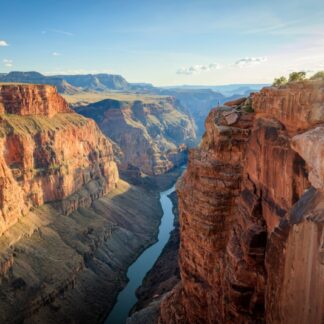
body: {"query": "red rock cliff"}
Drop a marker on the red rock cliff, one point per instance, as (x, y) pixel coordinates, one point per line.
(23, 99)
(49, 154)
(251, 214)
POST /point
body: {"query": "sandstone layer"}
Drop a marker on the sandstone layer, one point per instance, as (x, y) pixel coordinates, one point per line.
(23, 100)
(153, 134)
(47, 153)
(251, 213)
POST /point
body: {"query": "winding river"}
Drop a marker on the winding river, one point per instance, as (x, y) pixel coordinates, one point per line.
(137, 271)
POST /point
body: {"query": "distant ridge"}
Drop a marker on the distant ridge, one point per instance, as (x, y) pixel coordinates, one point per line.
(71, 84)
(38, 78)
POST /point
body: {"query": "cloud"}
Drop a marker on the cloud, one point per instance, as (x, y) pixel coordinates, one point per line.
(244, 62)
(57, 31)
(56, 54)
(3, 43)
(195, 69)
(250, 61)
(7, 62)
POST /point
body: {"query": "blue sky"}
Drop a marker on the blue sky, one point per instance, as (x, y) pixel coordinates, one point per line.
(164, 42)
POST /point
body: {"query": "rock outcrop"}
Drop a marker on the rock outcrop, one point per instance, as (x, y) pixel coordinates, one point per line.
(47, 153)
(37, 100)
(251, 213)
(153, 134)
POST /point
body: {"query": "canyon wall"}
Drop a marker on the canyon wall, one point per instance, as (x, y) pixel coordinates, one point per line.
(251, 213)
(26, 100)
(47, 153)
(152, 134)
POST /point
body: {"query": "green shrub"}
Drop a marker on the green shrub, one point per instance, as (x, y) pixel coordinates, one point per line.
(279, 81)
(318, 76)
(248, 108)
(54, 166)
(297, 76)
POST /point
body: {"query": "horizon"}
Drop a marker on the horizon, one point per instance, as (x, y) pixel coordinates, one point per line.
(204, 43)
(163, 86)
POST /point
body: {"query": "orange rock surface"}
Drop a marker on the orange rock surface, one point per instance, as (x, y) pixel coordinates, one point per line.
(26, 99)
(251, 214)
(49, 155)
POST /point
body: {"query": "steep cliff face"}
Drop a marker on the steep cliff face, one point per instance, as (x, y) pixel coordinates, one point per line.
(251, 214)
(47, 153)
(152, 135)
(36, 100)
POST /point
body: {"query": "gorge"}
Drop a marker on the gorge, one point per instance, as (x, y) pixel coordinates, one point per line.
(250, 209)
(162, 162)
(69, 226)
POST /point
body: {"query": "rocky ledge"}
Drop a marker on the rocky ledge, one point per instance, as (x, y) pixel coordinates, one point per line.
(251, 213)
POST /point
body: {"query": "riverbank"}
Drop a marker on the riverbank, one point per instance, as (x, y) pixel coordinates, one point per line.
(138, 270)
(162, 277)
(70, 268)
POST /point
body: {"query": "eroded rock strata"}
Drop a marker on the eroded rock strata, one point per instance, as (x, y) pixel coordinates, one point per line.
(251, 213)
(64, 213)
(152, 134)
(48, 153)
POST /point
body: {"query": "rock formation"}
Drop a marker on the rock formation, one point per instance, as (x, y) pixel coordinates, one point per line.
(152, 135)
(251, 213)
(47, 152)
(69, 228)
(37, 100)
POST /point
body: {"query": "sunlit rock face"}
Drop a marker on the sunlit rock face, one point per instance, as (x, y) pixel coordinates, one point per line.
(252, 212)
(48, 153)
(37, 100)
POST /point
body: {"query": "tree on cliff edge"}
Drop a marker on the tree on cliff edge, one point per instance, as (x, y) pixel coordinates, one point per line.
(279, 81)
(297, 76)
(318, 76)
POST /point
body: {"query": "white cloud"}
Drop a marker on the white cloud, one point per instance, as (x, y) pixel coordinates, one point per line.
(57, 31)
(3, 43)
(7, 62)
(194, 69)
(56, 54)
(250, 61)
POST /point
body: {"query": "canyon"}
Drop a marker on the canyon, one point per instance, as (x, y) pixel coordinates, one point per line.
(70, 227)
(251, 213)
(248, 245)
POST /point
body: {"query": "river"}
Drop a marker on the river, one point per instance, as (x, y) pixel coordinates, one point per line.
(136, 272)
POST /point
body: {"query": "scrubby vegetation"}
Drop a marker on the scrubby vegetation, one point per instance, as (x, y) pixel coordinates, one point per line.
(296, 77)
(279, 81)
(318, 76)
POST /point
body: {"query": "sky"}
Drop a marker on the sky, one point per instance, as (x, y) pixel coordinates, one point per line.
(197, 42)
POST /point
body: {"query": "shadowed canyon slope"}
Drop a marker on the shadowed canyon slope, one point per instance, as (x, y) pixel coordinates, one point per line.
(152, 133)
(69, 227)
(251, 213)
